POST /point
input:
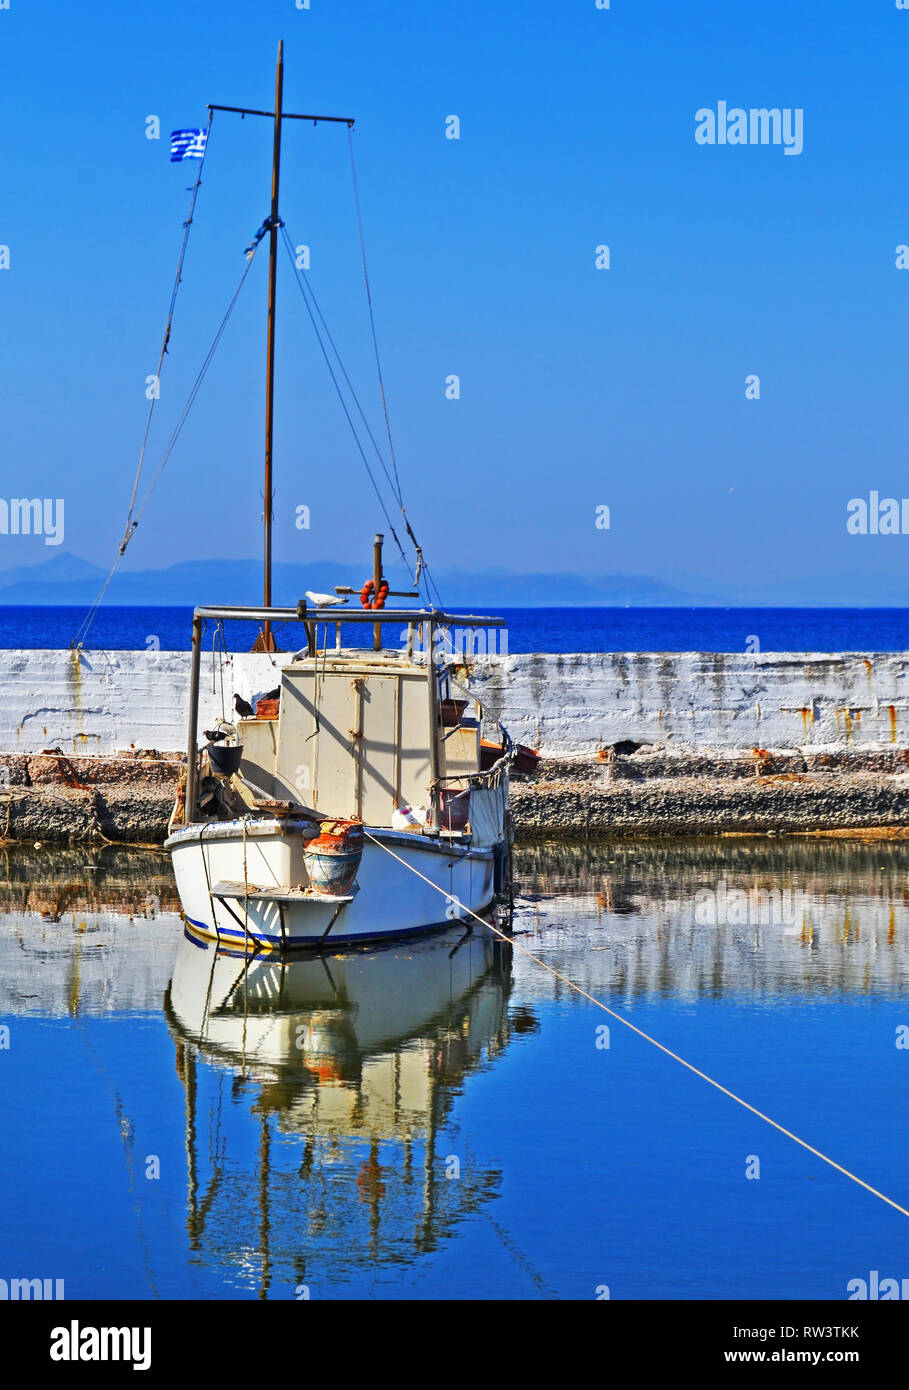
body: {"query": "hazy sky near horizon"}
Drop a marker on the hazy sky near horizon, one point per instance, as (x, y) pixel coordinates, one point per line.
(579, 387)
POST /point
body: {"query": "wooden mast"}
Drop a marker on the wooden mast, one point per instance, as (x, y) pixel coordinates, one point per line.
(376, 581)
(267, 641)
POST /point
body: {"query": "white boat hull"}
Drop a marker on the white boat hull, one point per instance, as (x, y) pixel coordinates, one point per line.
(245, 891)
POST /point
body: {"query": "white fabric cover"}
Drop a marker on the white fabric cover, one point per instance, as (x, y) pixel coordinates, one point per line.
(487, 813)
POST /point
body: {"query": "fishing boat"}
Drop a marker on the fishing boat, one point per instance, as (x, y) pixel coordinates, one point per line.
(357, 799)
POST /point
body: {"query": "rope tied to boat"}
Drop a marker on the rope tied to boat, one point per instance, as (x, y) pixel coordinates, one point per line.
(578, 989)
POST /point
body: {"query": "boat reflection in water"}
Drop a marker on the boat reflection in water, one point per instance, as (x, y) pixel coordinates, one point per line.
(347, 1066)
(309, 1138)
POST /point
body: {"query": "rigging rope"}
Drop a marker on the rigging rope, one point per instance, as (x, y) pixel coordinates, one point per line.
(421, 564)
(130, 525)
(372, 320)
(516, 945)
(340, 394)
(133, 517)
(250, 254)
(88, 620)
(422, 567)
(315, 313)
(307, 289)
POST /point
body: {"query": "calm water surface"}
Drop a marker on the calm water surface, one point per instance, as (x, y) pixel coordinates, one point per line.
(437, 1119)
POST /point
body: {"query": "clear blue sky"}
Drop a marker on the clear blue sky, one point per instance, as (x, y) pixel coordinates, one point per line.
(579, 387)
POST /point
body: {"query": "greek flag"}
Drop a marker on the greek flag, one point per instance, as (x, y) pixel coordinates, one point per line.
(187, 144)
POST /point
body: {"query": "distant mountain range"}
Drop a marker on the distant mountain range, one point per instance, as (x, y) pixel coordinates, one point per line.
(68, 579)
(65, 580)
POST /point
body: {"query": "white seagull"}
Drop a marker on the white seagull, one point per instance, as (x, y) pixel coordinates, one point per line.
(324, 600)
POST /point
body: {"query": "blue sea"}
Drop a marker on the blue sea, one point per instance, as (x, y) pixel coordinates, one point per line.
(527, 629)
(446, 1118)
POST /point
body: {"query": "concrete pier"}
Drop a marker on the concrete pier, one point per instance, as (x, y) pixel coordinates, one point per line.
(729, 742)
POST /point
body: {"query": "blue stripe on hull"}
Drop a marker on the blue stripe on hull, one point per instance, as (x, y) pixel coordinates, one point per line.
(261, 939)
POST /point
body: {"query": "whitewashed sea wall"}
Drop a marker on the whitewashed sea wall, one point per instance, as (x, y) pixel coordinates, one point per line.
(578, 702)
(100, 702)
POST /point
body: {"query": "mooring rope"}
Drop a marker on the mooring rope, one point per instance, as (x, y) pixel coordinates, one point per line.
(646, 1036)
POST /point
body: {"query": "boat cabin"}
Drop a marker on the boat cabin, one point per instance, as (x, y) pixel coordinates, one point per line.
(357, 734)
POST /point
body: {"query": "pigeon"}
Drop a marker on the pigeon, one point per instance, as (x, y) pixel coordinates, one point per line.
(264, 695)
(325, 600)
(243, 708)
(215, 735)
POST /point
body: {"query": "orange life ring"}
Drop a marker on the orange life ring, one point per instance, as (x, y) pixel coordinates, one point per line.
(366, 599)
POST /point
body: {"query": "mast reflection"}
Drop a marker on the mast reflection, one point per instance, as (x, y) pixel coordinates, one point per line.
(348, 1066)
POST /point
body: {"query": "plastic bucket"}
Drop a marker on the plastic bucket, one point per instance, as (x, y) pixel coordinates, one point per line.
(225, 759)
